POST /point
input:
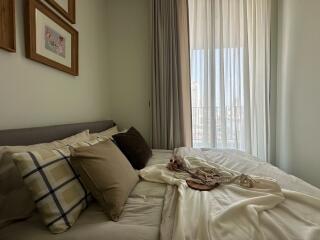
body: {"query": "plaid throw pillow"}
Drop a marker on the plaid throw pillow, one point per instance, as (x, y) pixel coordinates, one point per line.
(57, 190)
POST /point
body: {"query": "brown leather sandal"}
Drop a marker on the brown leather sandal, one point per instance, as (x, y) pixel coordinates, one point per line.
(201, 187)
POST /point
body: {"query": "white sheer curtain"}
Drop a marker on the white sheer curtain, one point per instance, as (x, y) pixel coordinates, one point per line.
(230, 74)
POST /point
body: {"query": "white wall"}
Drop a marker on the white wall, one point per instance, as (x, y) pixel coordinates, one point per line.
(298, 129)
(115, 72)
(129, 63)
(32, 94)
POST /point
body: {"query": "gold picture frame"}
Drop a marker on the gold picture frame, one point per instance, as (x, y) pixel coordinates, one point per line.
(67, 8)
(7, 25)
(49, 39)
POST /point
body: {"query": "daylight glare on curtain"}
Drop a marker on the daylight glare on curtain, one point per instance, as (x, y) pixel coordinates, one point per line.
(230, 74)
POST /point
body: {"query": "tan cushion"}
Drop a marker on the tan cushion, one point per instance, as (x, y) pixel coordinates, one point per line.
(107, 174)
(15, 199)
(107, 134)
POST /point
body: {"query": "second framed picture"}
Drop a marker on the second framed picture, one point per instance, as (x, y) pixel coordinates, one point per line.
(65, 7)
(49, 39)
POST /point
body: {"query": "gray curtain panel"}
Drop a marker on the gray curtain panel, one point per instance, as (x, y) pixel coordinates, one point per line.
(171, 101)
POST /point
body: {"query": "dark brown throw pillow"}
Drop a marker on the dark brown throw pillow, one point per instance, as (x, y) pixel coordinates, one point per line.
(107, 173)
(133, 145)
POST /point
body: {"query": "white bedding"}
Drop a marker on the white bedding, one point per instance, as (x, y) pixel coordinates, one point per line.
(233, 212)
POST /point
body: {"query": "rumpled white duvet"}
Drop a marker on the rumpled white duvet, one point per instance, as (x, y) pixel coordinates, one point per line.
(269, 210)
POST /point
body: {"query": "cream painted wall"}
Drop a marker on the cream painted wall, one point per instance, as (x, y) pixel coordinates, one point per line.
(298, 129)
(32, 94)
(129, 62)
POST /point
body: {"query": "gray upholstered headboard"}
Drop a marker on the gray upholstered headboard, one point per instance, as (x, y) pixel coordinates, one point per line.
(28, 136)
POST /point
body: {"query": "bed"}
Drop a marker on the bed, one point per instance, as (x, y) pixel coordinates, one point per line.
(152, 209)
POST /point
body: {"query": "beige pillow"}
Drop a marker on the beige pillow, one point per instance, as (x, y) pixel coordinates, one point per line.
(107, 134)
(16, 202)
(107, 174)
(56, 188)
(79, 137)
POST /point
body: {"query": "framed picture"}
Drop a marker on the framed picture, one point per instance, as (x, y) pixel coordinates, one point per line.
(7, 25)
(49, 39)
(66, 8)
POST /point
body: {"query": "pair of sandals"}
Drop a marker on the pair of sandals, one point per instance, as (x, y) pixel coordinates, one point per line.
(199, 176)
(205, 178)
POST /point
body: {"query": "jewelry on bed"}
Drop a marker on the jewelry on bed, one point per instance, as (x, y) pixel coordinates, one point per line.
(207, 178)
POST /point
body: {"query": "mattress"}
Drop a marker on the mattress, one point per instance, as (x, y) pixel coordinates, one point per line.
(140, 219)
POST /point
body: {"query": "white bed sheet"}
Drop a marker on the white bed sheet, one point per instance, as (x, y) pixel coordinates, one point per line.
(232, 212)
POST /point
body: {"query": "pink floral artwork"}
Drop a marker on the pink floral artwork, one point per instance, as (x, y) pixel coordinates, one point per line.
(55, 42)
